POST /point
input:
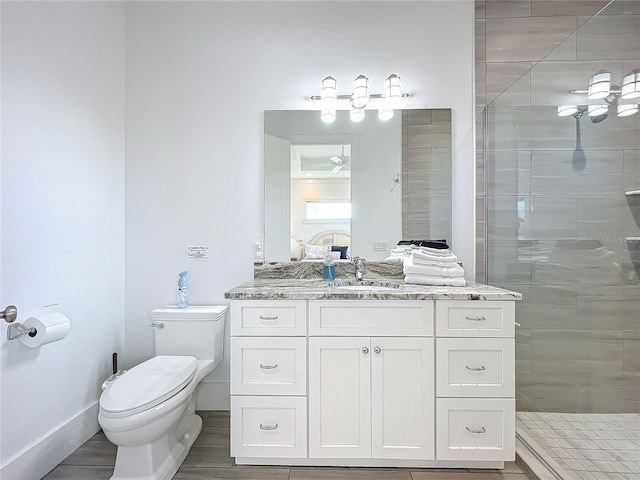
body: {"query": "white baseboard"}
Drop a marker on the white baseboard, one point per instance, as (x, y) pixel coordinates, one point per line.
(213, 396)
(47, 452)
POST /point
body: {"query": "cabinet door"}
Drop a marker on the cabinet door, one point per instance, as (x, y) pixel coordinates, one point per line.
(402, 394)
(339, 397)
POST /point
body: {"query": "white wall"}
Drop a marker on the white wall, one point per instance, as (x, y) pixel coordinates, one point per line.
(62, 216)
(200, 75)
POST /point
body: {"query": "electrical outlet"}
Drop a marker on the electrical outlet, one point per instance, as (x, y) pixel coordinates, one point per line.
(379, 246)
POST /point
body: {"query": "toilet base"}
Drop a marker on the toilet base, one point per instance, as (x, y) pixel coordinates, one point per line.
(160, 459)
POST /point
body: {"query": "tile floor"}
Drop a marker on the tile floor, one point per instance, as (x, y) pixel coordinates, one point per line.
(209, 459)
(585, 446)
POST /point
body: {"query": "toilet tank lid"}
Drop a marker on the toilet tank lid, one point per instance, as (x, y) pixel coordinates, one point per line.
(149, 383)
(192, 312)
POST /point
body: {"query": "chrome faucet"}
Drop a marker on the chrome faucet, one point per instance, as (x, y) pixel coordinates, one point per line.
(359, 262)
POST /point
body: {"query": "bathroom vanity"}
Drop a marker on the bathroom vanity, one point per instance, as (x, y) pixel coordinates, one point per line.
(377, 374)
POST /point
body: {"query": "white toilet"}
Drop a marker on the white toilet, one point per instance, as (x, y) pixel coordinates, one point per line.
(149, 412)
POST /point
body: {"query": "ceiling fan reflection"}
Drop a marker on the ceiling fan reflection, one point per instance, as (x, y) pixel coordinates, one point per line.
(340, 161)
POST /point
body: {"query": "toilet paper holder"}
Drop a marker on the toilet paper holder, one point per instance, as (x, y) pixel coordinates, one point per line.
(15, 330)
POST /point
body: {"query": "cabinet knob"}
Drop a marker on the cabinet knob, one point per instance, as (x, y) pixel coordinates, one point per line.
(377, 350)
(365, 350)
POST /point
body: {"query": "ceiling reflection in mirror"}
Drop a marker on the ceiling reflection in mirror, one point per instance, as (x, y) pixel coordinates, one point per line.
(364, 185)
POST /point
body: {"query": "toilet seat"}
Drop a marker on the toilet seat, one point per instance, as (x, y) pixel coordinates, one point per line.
(147, 385)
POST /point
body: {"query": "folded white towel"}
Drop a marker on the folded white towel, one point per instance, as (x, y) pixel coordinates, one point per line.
(411, 260)
(400, 249)
(441, 252)
(427, 258)
(394, 259)
(435, 281)
(453, 271)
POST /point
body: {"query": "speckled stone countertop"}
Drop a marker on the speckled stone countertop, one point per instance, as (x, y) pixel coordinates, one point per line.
(392, 289)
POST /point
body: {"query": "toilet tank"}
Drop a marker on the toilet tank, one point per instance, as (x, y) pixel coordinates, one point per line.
(196, 330)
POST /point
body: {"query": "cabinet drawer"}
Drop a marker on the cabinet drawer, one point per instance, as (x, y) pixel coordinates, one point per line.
(269, 427)
(269, 317)
(475, 429)
(467, 318)
(268, 366)
(395, 318)
(475, 367)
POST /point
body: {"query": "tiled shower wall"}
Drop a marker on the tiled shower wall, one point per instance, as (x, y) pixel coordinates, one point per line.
(552, 223)
(426, 174)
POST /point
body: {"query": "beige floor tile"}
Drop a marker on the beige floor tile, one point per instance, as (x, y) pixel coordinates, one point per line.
(77, 472)
(232, 473)
(207, 457)
(95, 451)
(330, 473)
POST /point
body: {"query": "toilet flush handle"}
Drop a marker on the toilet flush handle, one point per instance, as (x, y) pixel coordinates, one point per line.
(156, 324)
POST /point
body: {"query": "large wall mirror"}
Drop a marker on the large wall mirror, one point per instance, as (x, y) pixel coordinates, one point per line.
(362, 185)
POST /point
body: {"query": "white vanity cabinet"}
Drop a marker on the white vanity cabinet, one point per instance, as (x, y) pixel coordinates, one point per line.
(269, 378)
(371, 397)
(398, 382)
(475, 387)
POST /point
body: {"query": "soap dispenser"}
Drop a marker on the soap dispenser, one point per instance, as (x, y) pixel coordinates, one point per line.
(183, 290)
(328, 267)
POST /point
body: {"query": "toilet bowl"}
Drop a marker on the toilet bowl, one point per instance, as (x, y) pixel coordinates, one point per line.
(149, 412)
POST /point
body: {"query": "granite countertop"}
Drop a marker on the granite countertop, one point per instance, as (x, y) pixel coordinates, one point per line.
(393, 289)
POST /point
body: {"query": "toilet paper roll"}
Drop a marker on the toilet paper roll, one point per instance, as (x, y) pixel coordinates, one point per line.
(50, 327)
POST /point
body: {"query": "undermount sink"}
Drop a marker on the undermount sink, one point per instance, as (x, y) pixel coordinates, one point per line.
(364, 285)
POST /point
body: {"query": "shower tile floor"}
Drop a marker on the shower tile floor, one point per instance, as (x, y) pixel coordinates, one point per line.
(585, 446)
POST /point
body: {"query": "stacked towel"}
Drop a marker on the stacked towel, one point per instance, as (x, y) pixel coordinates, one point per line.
(440, 243)
(405, 247)
(433, 266)
(397, 254)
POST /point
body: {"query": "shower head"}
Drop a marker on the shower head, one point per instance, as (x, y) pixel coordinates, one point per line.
(599, 118)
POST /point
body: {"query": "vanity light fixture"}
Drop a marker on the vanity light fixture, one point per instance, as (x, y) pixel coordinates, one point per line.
(599, 85)
(328, 116)
(566, 110)
(361, 98)
(329, 96)
(356, 114)
(631, 85)
(595, 110)
(600, 88)
(385, 113)
(329, 92)
(360, 92)
(626, 109)
(393, 90)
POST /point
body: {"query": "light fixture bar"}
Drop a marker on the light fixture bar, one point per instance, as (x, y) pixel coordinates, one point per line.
(348, 97)
(584, 92)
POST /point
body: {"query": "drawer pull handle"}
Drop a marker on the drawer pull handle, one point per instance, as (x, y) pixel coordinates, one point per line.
(475, 430)
(268, 367)
(476, 319)
(268, 428)
(475, 369)
(267, 318)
